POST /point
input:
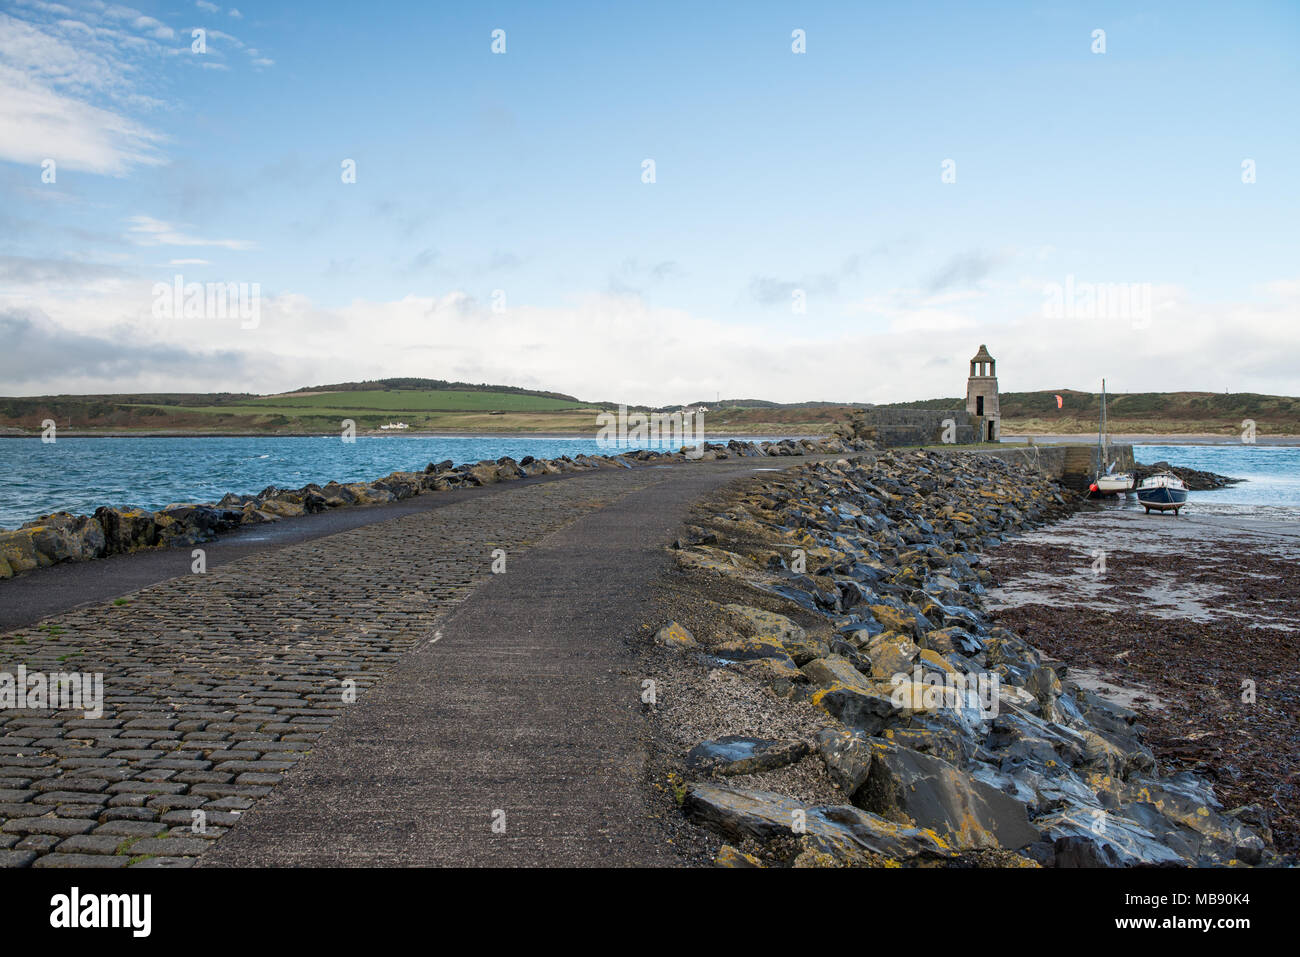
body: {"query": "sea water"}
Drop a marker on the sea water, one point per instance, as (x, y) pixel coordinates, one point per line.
(80, 474)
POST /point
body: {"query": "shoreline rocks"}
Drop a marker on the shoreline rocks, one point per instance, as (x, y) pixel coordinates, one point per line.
(61, 536)
(858, 585)
(1197, 481)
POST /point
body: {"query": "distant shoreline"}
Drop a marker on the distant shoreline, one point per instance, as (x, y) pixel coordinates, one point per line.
(473, 434)
(1014, 438)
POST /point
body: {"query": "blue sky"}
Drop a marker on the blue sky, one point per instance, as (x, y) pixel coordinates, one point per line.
(777, 174)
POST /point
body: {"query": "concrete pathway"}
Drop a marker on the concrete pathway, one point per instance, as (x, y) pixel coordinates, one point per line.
(524, 713)
(59, 588)
(226, 693)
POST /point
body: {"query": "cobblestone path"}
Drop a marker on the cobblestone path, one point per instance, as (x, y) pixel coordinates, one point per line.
(216, 685)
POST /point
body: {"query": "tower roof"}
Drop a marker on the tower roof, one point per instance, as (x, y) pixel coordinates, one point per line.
(982, 355)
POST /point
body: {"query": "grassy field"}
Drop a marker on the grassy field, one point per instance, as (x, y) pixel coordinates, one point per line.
(406, 400)
(455, 410)
(284, 419)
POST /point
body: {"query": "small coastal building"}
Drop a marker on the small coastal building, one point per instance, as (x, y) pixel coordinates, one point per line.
(982, 395)
(980, 421)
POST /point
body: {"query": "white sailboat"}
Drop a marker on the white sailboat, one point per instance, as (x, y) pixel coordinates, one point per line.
(1108, 482)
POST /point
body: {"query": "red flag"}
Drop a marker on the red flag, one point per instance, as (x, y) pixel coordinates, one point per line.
(1059, 401)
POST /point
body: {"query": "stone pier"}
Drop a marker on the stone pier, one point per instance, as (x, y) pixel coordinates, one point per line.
(1072, 465)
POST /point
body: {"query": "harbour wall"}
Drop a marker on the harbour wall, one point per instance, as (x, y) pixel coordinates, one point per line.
(1072, 465)
(895, 427)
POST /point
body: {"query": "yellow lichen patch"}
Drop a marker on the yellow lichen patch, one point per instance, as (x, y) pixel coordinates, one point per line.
(1095, 746)
(891, 654)
(675, 635)
(910, 696)
(938, 838)
(18, 550)
(283, 509)
(821, 693)
(687, 559)
(812, 858)
(938, 661)
(764, 623)
(728, 856)
(892, 618)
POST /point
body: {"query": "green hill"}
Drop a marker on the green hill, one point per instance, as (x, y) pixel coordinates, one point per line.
(413, 400)
(421, 403)
(433, 385)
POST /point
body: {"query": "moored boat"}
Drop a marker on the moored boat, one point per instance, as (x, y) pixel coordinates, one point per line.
(1163, 492)
(1113, 483)
(1110, 482)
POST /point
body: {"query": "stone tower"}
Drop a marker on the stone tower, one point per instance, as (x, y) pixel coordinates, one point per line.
(982, 396)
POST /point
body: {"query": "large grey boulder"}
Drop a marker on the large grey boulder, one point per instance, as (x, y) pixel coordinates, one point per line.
(847, 756)
(1091, 837)
(848, 695)
(848, 835)
(736, 754)
(928, 792)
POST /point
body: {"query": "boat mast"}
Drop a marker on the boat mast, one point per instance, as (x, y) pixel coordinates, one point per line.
(1102, 442)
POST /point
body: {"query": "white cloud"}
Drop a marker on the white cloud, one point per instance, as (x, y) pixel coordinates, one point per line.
(73, 84)
(37, 123)
(611, 347)
(154, 28)
(226, 37)
(64, 90)
(147, 231)
(207, 7)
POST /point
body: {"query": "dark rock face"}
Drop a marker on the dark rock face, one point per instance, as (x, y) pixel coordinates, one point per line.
(1084, 837)
(735, 754)
(847, 755)
(66, 537)
(843, 835)
(127, 529)
(192, 524)
(909, 786)
(942, 723)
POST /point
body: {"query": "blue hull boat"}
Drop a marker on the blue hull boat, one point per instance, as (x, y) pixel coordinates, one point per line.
(1164, 492)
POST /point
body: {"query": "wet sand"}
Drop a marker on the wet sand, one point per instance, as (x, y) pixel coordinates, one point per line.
(1181, 619)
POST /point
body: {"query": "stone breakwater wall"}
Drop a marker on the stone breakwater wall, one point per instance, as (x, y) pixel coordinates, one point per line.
(61, 536)
(1072, 465)
(896, 427)
(852, 594)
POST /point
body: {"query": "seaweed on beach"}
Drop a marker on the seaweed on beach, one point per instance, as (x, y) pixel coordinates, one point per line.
(1199, 715)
